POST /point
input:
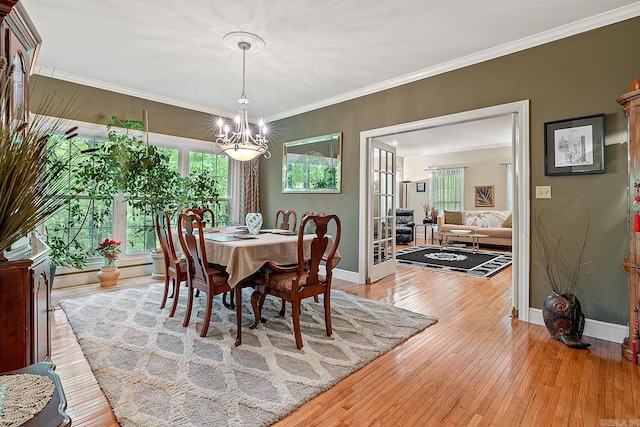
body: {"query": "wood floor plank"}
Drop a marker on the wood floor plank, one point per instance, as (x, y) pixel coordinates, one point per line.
(477, 366)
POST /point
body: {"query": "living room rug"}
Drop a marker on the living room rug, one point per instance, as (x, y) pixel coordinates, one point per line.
(156, 372)
(455, 260)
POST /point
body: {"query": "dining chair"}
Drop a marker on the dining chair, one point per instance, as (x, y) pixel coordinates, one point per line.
(310, 229)
(284, 222)
(295, 283)
(200, 275)
(175, 270)
(311, 225)
(201, 213)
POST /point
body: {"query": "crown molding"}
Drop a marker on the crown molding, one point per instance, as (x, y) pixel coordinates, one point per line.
(591, 23)
(588, 24)
(124, 90)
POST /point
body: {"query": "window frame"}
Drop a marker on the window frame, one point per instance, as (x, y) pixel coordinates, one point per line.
(184, 146)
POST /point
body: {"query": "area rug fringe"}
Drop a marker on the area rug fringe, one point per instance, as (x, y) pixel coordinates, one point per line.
(156, 372)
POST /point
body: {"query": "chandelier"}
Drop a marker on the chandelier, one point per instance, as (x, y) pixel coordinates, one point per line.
(239, 141)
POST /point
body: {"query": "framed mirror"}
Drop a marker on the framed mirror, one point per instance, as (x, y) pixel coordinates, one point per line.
(312, 165)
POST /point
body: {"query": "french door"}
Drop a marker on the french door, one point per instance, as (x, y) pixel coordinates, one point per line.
(381, 211)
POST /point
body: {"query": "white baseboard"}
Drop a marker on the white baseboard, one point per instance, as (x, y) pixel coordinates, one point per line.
(347, 275)
(592, 328)
(87, 277)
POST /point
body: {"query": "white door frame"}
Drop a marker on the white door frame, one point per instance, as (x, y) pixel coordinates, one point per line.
(521, 208)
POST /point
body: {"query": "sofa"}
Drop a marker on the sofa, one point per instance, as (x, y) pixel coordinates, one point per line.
(405, 226)
(495, 224)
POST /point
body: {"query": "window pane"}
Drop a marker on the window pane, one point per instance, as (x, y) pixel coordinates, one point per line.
(217, 167)
(140, 232)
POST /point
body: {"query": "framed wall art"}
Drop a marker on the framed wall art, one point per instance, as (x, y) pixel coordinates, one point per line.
(420, 187)
(485, 196)
(574, 146)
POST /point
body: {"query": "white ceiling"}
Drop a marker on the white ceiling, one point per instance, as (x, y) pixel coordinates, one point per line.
(473, 135)
(317, 52)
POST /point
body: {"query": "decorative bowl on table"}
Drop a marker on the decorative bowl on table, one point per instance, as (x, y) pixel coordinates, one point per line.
(461, 232)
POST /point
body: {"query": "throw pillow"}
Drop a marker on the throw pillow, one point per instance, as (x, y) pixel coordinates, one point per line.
(453, 217)
(507, 222)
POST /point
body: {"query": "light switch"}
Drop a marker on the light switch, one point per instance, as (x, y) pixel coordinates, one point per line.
(543, 191)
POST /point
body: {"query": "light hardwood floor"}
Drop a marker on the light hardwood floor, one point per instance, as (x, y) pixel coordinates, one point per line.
(476, 367)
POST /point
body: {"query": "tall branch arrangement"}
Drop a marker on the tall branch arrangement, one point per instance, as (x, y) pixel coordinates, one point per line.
(29, 179)
(561, 273)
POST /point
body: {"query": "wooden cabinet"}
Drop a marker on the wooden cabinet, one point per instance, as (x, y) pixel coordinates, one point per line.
(631, 103)
(25, 336)
(24, 279)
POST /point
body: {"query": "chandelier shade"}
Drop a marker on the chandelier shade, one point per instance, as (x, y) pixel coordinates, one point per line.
(242, 140)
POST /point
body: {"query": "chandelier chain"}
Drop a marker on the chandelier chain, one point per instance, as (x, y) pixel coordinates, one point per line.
(244, 69)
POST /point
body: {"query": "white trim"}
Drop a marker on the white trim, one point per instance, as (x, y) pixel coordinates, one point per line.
(86, 277)
(521, 217)
(592, 328)
(587, 24)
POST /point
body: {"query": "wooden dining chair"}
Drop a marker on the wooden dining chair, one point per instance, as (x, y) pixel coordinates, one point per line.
(284, 220)
(175, 270)
(202, 213)
(200, 275)
(295, 283)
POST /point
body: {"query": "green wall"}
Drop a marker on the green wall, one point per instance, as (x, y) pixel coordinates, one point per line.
(577, 76)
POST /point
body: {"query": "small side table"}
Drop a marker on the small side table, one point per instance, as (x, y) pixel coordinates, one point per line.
(53, 414)
(427, 226)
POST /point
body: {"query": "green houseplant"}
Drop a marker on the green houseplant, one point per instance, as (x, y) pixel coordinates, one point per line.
(142, 172)
(86, 204)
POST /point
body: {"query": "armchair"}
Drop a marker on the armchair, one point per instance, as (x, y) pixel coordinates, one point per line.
(404, 226)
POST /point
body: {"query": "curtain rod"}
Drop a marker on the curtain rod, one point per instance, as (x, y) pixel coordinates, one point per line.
(450, 167)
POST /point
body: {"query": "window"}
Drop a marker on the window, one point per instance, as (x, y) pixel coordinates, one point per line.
(84, 223)
(215, 166)
(447, 186)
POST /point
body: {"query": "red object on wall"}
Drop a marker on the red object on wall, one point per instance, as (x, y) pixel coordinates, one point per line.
(636, 222)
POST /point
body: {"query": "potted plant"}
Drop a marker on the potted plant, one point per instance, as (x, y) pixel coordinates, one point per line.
(561, 311)
(29, 177)
(109, 273)
(145, 177)
(65, 231)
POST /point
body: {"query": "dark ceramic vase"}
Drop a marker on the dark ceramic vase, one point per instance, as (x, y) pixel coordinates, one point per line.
(564, 319)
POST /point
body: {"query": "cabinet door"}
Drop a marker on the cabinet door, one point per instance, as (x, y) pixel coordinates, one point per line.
(15, 315)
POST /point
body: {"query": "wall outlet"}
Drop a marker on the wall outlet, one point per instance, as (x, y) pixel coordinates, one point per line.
(543, 191)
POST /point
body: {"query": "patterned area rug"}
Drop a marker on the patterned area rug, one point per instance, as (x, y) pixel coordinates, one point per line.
(156, 372)
(455, 260)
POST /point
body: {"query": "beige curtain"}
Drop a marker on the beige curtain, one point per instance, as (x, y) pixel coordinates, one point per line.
(250, 188)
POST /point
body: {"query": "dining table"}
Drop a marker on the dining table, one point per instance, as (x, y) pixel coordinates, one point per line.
(243, 254)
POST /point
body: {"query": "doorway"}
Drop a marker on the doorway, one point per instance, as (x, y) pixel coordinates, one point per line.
(519, 112)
